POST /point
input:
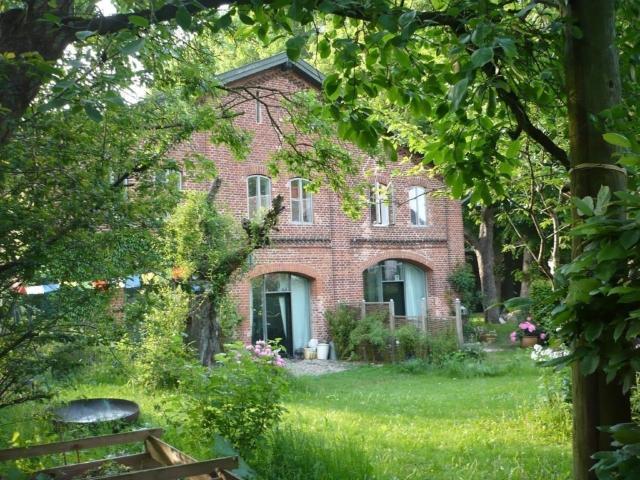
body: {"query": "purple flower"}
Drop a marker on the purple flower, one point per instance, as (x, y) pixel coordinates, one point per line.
(513, 336)
(543, 336)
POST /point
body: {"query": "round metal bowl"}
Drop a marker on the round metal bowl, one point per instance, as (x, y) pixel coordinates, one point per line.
(96, 410)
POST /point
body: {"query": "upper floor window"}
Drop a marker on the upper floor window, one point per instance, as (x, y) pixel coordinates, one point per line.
(418, 205)
(301, 202)
(258, 194)
(380, 204)
(169, 177)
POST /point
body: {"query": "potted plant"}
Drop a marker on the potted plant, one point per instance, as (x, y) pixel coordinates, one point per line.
(528, 334)
(487, 336)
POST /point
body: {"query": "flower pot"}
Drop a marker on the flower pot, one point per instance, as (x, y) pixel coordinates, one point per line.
(101, 285)
(488, 337)
(526, 342)
(323, 351)
(309, 353)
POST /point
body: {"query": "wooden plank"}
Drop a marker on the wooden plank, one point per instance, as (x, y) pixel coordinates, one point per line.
(138, 461)
(167, 454)
(174, 472)
(227, 475)
(79, 444)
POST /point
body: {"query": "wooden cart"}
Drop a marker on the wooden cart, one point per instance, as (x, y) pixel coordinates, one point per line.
(160, 461)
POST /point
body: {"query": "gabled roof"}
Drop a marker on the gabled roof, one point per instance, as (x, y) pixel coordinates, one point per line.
(310, 73)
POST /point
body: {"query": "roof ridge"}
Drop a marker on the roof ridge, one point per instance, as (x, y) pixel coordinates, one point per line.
(303, 67)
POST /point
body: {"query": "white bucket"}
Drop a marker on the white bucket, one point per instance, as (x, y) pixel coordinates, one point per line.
(323, 351)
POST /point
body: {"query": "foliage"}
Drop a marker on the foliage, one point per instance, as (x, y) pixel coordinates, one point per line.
(604, 280)
(543, 300)
(370, 337)
(342, 322)
(623, 462)
(295, 454)
(229, 317)
(463, 281)
(241, 397)
(161, 357)
(408, 340)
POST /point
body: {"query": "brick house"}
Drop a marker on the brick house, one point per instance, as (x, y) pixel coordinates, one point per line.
(402, 248)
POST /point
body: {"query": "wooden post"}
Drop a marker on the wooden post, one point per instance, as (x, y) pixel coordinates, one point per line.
(458, 308)
(392, 328)
(363, 309)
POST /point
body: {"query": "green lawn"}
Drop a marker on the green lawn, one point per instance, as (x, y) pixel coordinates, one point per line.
(379, 423)
(425, 426)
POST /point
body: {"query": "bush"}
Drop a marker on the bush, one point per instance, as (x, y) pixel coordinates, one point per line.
(342, 321)
(408, 338)
(370, 336)
(229, 318)
(162, 354)
(241, 397)
(543, 301)
(463, 282)
(436, 348)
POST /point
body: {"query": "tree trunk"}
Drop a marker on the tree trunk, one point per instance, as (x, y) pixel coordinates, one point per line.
(593, 83)
(204, 329)
(526, 273)
(483, 247)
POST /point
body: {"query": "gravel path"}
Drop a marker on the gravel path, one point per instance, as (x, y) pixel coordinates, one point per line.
(317, 367)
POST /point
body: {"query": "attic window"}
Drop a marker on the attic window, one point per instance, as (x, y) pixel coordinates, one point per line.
(258, 108)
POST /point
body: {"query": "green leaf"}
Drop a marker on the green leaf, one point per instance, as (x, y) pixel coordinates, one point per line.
(629, 238)
(324, 48)
(132, 47)
(331, 84)
(403, 58)
(612, 251)
(593, 331)
(508, 46)
(602, 200)
(183, 18)
(223, 22)
(584, 205)
(295, 45)
(84, 34)
(579, 290)
(458, 92)
(617, 139)
(92, 112)
(589, 364)
(138, 21)
(481, 56)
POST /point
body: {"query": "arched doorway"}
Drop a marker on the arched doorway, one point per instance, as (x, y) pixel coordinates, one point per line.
(397, 280)
(281, 308)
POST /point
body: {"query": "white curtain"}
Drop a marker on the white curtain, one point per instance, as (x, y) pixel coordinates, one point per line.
(300, 311)
(283, 313)
(415, 288)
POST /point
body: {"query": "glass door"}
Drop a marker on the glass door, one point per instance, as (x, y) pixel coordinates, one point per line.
(278, 316)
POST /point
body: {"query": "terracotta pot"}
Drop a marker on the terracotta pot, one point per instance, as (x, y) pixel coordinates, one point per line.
(526, 342)
(177, 273)
(100, 285)
(488, 337)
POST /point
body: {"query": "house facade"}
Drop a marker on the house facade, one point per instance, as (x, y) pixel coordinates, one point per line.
(402, 248)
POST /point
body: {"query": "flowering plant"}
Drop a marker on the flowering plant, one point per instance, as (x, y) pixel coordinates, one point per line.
(268, 352)
(528, 329)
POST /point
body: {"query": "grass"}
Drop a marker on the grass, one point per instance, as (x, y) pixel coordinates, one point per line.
(373, 422)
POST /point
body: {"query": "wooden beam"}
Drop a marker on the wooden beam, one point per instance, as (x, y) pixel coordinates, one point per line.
(79, 444)
(166, 454)
(138, 461)
(174, 472)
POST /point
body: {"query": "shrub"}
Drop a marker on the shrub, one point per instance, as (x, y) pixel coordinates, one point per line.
(342, 321)
(437, 347)
(370, 336)
(229, 318)
(463, 282)
(543, 301)
(161, 356)
(241, 397)
(408, 338)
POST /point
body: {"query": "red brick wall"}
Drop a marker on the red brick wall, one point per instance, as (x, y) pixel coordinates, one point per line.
(334, 251)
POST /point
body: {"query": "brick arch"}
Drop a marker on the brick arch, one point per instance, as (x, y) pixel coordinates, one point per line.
(399, 255)
(295, 268)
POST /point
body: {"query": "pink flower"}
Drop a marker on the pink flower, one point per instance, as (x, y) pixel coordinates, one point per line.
(543, 336)
(513, 336)
(530, 327)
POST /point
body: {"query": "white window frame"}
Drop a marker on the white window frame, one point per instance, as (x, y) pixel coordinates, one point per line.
(301, 202)
(258, 108)
(381, 205)
(163, 177)
(259, 197)
(418, 199)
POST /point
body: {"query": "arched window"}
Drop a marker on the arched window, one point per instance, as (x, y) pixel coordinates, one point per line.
(418, 205)
(281, 308)
(402, 282)
(301, 201)
(258, 194)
